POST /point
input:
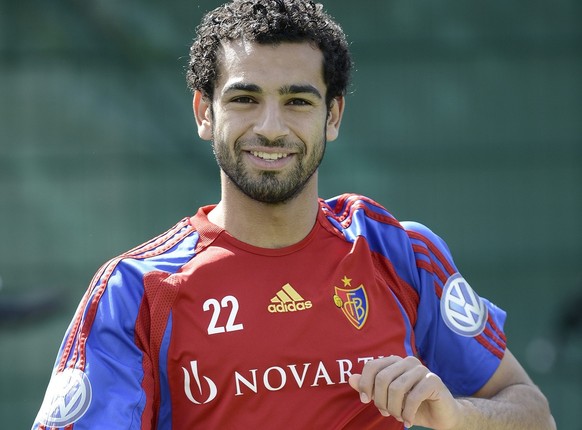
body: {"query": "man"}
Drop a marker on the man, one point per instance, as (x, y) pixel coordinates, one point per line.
(273, 308)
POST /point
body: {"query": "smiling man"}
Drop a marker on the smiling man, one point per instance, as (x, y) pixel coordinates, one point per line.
(267, 133)
(274, 308)
(269, 122)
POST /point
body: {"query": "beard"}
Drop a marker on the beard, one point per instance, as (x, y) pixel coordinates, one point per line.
(269, 187)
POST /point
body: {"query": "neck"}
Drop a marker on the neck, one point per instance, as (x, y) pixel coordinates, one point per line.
(266, 225)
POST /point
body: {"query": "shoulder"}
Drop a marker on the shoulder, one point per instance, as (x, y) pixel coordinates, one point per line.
(355, 215)
(407, 244)
(175, 244)
(116, 292)
(353, 211)
(167, 252)
(423, 234)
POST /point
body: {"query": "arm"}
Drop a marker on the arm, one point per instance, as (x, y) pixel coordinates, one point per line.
(407, 390)
(97, 380)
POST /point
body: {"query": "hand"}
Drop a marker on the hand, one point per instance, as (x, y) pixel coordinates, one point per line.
(408, 391)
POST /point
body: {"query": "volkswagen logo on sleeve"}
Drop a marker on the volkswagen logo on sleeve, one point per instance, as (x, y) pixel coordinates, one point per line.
(67, 398)
(462, 310)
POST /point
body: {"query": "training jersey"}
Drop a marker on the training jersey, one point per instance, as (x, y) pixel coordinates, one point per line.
(198, 330)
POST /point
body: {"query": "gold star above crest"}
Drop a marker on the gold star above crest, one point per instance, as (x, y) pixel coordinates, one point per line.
(347, 281)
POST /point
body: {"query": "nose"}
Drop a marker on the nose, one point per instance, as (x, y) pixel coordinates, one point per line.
(271, 123)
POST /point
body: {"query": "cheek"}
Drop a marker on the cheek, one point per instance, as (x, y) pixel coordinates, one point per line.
(228, 127)
(308, 129)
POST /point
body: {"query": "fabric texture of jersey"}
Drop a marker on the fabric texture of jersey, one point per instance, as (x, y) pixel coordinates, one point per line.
(195, 329)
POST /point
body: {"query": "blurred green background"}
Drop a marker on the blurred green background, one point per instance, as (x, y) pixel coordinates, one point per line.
(466, 116)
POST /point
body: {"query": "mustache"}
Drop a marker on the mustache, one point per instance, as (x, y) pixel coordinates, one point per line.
(282, 143)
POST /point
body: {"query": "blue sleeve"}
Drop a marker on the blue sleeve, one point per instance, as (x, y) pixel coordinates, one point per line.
(97, 379)
(458, 334)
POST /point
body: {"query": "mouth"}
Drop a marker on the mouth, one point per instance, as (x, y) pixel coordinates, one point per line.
(269, 156)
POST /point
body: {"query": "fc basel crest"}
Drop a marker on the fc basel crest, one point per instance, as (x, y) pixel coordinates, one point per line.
(353, 303)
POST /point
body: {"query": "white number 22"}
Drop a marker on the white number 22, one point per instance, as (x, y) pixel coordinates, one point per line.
(216, 307)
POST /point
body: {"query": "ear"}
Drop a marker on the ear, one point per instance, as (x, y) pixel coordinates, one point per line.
(203, 114)
(334, 118)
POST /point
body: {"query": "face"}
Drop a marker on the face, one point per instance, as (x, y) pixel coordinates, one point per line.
(268, 121)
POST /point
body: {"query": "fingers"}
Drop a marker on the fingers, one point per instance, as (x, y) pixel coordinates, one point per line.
(398, 386)
(427, 388)
(386, 380)
(354, 382)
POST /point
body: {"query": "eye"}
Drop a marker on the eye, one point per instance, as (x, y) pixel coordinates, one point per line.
(243, 99)
(299, 102)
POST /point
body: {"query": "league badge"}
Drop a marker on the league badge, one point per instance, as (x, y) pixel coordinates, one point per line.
(353, 303)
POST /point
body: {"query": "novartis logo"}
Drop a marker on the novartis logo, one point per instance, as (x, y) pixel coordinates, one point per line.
(202, 390)
(208, 389)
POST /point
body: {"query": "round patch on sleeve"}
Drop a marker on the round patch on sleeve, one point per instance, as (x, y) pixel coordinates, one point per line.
(67, 398)
(462, 310)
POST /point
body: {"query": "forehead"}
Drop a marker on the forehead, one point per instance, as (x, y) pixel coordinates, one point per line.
(270, 66)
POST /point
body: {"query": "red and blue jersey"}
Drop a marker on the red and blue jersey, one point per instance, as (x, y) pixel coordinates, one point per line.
(195, 329)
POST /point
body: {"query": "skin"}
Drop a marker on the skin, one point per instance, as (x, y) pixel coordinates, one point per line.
(264, 103)
(269, 123)
(411, 393)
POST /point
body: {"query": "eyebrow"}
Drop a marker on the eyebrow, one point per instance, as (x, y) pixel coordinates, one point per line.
(240, 86)
(300, 89)
(285, 90)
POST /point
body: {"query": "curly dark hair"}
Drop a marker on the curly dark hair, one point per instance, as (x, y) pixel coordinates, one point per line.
(269, 22)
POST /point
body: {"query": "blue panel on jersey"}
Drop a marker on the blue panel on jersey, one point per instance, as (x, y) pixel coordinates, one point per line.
(165, 416)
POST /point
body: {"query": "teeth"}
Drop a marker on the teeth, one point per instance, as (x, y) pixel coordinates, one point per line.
(268, 156)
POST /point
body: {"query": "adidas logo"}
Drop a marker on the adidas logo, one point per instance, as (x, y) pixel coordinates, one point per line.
(288, 300)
